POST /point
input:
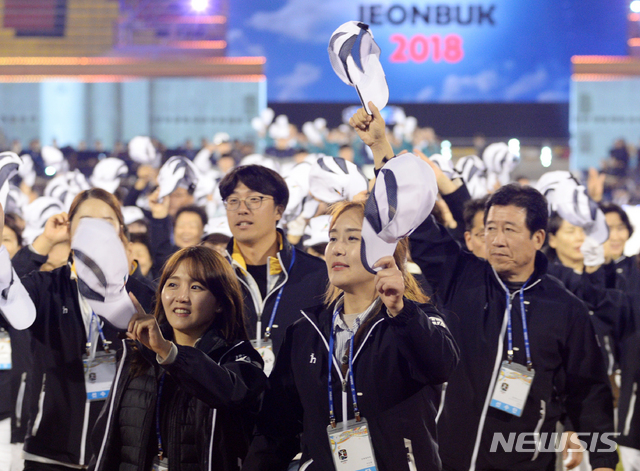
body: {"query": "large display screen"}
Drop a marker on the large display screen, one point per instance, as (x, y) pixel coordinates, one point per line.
(444, 52)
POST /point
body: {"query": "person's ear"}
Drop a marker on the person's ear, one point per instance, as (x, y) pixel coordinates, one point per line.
(467, 240)
(279, 212)
(539, 237)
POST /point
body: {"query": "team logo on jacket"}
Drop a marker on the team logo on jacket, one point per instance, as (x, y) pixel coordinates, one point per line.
(312, 359)
(437, 321)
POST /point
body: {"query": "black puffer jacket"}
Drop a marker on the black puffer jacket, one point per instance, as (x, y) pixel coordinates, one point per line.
(208, 418)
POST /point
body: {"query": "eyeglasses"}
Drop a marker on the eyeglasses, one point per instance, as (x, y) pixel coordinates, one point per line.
(252, 202)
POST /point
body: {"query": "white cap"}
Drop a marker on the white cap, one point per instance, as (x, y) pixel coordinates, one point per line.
(52, 156)
(259, 159)
(445, 165)
(102, 274)
(218, 225)
(142, 151)
(474, 174)
(359, 67)
(26, 171)
(66, 187)
(334, 179)
(9, 165)
(221, 137)
(402, 198)
(36, 214)
(500, 162)
(280, 129)
(550, 181)
(318, 230)
(132, 214)
(177, 171)
(108, 172)
(15, 303)
(574, 205)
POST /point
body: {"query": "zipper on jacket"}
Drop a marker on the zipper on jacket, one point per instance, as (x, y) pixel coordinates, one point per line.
(306, 465)
(20, 399)
(536, 432)
(632, 406)
(611, 361)
(214, 415)
(38, 419)
(85, 429)
(112, 400)
(411, 461)
(443, 394)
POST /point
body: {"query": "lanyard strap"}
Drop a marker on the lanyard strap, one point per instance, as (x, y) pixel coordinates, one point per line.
(524, 328)
(267, 332)
(160, 449)
(354, 396)
(105, 342)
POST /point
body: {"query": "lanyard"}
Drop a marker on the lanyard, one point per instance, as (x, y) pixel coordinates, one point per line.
(160, 449)
(267, 332)
(105, 342)
(356, 411)
(524, 328)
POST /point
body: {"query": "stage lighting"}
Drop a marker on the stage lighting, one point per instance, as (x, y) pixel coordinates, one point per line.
(546, 156)
(199, 5)
(635, 6)
(514, 147)
(445, 150)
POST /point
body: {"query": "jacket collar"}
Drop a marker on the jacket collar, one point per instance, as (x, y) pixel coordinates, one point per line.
(541, 264)
(275, 263)
(210, 340)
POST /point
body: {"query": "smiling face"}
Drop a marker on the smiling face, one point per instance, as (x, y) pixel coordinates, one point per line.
(249, 226)
(509, 245)
(189, 306)
(567, 242)
(343, 253)
(94, 208)
(188, 229)
(618, 236)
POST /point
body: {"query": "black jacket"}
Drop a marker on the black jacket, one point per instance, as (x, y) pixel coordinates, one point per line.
(58, 418)
(399, 367)
(569, 370)
(624, 274)
(210, 416)
(304, 286)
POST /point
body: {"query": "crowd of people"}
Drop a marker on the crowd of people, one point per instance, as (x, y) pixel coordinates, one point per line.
(274, 308)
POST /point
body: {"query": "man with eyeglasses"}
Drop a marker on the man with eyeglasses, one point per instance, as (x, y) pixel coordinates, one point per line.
(277, 279)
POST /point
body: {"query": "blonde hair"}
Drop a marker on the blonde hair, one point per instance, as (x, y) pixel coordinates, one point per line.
(412, 289)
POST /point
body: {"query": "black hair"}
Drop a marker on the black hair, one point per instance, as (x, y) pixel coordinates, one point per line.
(140, 238)
(553, 226)
(192, 208)
(624, 217)
(257, 178)
(525, 197)
(11, 221)
(471, 208)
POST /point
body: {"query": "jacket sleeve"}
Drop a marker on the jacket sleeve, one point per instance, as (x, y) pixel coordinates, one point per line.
(26, 261)
(456, 201)
(588, 398)
(426, 342)
(438, 255)
(236, 382)
(160, 241)
(276, 440)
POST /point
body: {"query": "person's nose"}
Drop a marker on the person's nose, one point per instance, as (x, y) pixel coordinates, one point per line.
(182, 296)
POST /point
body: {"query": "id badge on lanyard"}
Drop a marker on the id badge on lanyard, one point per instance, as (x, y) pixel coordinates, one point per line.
(514, 380)
(99, 366)
(160, 464)
(265, 349)
(351, 446)
(5, 350)
(512, 388)
(264, 346)
(98, 374)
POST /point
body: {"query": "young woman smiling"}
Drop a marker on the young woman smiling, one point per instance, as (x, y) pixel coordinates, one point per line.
(189, 381)
(372, 350)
